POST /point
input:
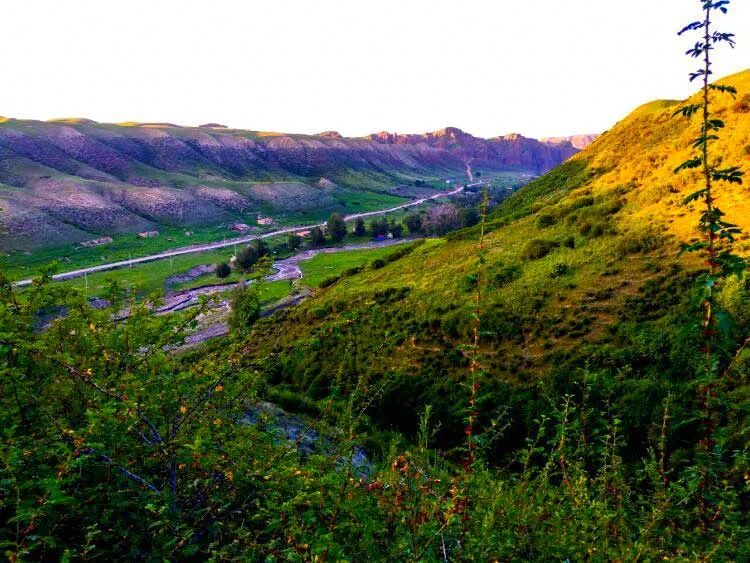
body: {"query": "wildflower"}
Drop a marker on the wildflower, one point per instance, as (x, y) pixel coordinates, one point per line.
(217, 421)
(183, 409)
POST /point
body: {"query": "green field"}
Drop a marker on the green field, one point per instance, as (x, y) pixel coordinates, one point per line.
(324, 266)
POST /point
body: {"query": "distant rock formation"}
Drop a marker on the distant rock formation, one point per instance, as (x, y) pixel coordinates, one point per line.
(72, 180)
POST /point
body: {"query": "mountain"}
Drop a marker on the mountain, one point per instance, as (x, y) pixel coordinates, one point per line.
(578, 141)
(69, 180)
(583, 282)
(512, 152)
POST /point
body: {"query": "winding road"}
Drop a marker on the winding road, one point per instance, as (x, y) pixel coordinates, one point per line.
(223, 244)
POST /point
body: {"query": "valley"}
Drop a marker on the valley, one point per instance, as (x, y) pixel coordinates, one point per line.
(228, 344)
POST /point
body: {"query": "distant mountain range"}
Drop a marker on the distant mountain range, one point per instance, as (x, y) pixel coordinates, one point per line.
(64, 181)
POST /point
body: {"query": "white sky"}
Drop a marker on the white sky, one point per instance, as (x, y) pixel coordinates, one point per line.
(538, 67)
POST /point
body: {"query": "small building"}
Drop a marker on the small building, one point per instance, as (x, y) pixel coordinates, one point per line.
(239, 227)
(148, 234)
(95, 242)
(265, 221)
(302, 233)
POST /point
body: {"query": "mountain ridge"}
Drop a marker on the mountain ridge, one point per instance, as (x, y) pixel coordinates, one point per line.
(70, 179)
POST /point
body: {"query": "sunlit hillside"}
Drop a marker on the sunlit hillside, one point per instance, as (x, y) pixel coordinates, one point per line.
(583, 271)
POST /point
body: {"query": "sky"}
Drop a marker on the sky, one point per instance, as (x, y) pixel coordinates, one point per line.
(490, 67)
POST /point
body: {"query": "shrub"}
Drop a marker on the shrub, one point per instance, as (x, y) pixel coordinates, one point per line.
(377, 264)
(640, 242)
(569, 242)
(351, 271)
(560, 269)
(743, 104)
(500, 274)
(545, 220)
(223, 270)
(329, 281)
(538, 248)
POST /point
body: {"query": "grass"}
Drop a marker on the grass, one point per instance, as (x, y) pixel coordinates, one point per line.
(324, 266)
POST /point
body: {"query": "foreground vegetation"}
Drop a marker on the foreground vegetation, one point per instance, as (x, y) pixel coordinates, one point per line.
(554, 383)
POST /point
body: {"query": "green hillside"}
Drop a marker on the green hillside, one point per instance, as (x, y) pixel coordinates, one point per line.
(582, 276)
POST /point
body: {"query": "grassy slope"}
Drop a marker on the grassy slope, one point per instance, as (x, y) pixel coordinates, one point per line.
(608, 302)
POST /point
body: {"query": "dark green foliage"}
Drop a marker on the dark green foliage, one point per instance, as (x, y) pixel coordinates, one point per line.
(336, 227)
(499, 274)
(247, 257)
(378, 263)
(293, 242)
(467, 217)
(317, 238)
(245, 307)
(379, 227)
(538, 248)
(413, 223)
(545, 220)
(223, 270)
(559, 270)
(359, 227)
(329, 281)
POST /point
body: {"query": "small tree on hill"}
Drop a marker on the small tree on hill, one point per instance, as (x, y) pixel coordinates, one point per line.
(336, 227)
(223, 270)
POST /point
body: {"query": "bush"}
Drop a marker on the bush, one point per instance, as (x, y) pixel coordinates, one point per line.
(640, 242)
(546, 220)
(569, 242)
(351, 271)
(500, 275)
(538, 248)
(329, 281)
(377, 264)
(223, 270)
(559, 270)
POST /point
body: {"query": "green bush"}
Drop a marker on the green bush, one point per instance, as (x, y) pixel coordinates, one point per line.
(538, 248)
(545, 220)
(329, 281)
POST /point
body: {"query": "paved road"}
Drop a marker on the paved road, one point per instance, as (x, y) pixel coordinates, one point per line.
(231, 242)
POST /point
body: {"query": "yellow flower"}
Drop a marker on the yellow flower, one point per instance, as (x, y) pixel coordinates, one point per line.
(219, 388)
(183, 409)
(217, 421)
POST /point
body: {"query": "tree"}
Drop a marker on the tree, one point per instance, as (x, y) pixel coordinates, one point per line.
(293, 242)
(359, 227)
(396, 229)
(247, 257)
(378, 227)
(245, 307)
(261, 247)
(467, 217)
(441, 219)
(336, 227)
(223, 270)
(317, 238)
(413, 223)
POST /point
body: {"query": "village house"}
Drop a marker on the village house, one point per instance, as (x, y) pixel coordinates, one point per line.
(95, 242)
(239, 227)
(265, 221)
(302, 233)
(148, 234)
